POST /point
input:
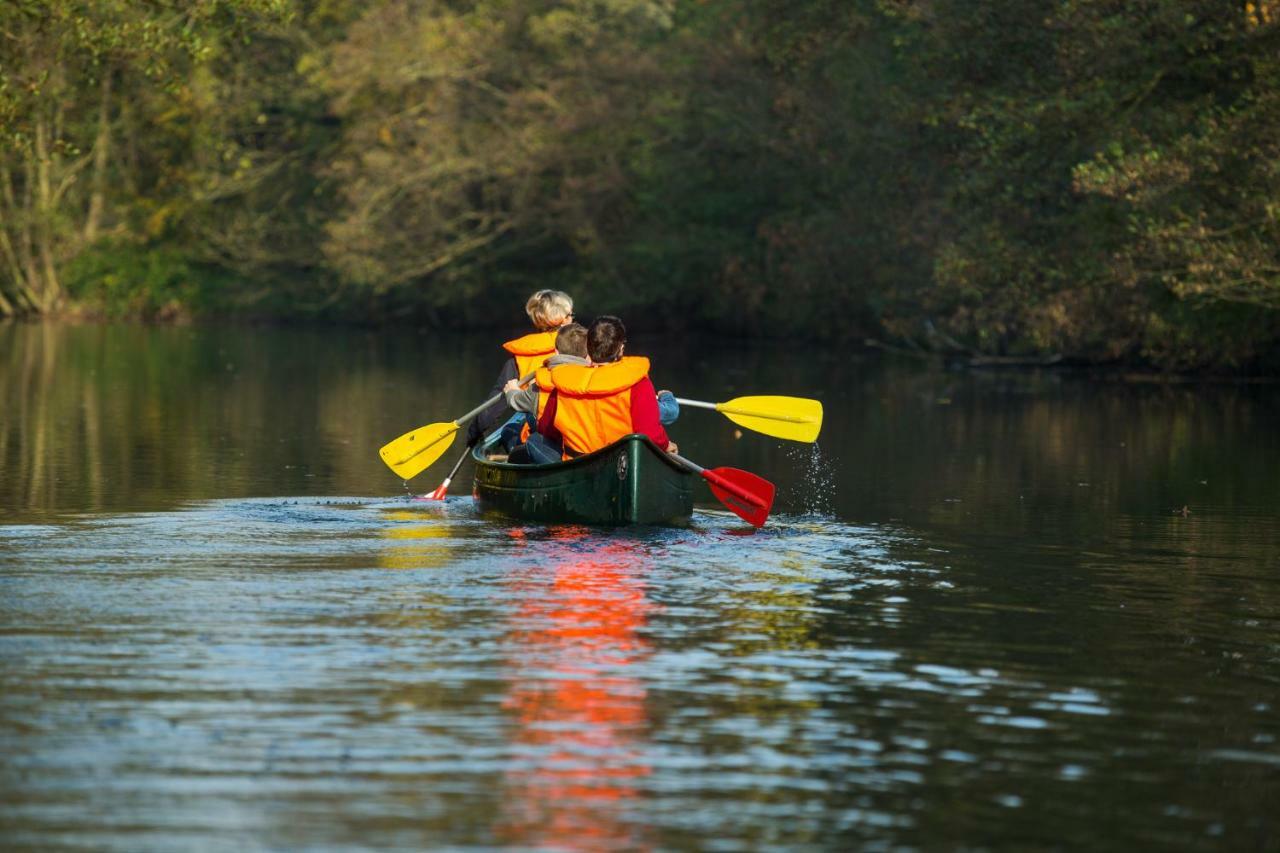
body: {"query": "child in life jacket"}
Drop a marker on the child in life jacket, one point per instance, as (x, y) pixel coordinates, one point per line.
(571, 348)
(548, 310)
(592, 406)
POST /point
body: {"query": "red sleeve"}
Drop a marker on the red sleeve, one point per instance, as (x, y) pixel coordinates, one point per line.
(644, 412)
(547, 423)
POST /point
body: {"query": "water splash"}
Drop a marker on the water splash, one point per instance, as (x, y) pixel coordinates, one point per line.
(814, 492)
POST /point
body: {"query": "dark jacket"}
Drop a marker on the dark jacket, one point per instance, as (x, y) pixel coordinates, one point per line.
(497, 414)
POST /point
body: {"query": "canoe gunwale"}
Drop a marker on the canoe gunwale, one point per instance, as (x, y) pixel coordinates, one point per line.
(585, 460)
(618, 484)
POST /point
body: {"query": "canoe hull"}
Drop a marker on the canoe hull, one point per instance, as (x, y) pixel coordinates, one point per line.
(629, 482)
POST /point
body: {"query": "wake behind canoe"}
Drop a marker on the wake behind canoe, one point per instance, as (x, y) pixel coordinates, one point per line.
(628, 482)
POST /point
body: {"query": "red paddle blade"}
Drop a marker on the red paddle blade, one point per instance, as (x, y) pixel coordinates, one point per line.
(748, 496)
(441, 491)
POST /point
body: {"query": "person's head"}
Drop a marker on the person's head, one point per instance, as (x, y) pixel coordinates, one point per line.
(549, 309)
(572, 340)
(606, 339)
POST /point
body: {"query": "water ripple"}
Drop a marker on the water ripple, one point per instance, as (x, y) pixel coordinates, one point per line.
(407, 673)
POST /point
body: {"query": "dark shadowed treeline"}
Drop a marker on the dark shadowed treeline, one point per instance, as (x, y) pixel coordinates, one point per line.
(1093, 180)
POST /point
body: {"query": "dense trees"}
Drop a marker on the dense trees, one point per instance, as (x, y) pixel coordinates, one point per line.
(101, 104)
(1116, 175)
(1093, 179)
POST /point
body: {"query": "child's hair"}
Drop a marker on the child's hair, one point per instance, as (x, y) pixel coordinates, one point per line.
(605, 339)
(549, 309)
(572, 340)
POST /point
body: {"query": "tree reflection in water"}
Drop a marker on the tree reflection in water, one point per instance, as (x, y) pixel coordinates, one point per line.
(576, 700)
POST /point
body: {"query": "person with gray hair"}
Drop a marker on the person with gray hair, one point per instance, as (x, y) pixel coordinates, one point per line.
(548, 310)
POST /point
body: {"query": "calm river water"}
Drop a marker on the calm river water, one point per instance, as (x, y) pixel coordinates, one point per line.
(991, 610)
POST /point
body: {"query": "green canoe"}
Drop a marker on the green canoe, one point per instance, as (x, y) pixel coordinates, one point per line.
(629, 482)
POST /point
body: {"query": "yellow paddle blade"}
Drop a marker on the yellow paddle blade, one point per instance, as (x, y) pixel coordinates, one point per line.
(412, 453)
(792, 418)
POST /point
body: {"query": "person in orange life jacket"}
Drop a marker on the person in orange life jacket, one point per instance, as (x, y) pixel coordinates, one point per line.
(592, 406)
(548, 310)
(571, 348)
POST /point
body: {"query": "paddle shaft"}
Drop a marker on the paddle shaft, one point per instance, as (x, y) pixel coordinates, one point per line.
(444, 487)
(463, 458)
(711, 476)
(721, 407)
(696, 403)
(528, 377)
(447, 480)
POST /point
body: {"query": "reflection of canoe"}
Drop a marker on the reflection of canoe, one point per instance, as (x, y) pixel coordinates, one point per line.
(629, 482)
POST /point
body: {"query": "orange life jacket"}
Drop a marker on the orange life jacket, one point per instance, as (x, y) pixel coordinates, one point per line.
(544, 394)
(543, 381)
(532, 350)
(593, 402)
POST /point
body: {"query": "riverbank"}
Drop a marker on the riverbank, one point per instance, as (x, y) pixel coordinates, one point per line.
(162, 308)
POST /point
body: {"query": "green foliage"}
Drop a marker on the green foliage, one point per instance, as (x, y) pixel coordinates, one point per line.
(120, 280)
(98, 101)
(1096, 180)
(1113, 171)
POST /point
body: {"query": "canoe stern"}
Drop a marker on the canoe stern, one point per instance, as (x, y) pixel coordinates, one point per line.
(628, 482)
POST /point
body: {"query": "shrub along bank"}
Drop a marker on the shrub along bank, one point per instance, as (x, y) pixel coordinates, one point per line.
(1096, 181)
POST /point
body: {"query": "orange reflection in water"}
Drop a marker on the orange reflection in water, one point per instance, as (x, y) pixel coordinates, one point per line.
(579, 712)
